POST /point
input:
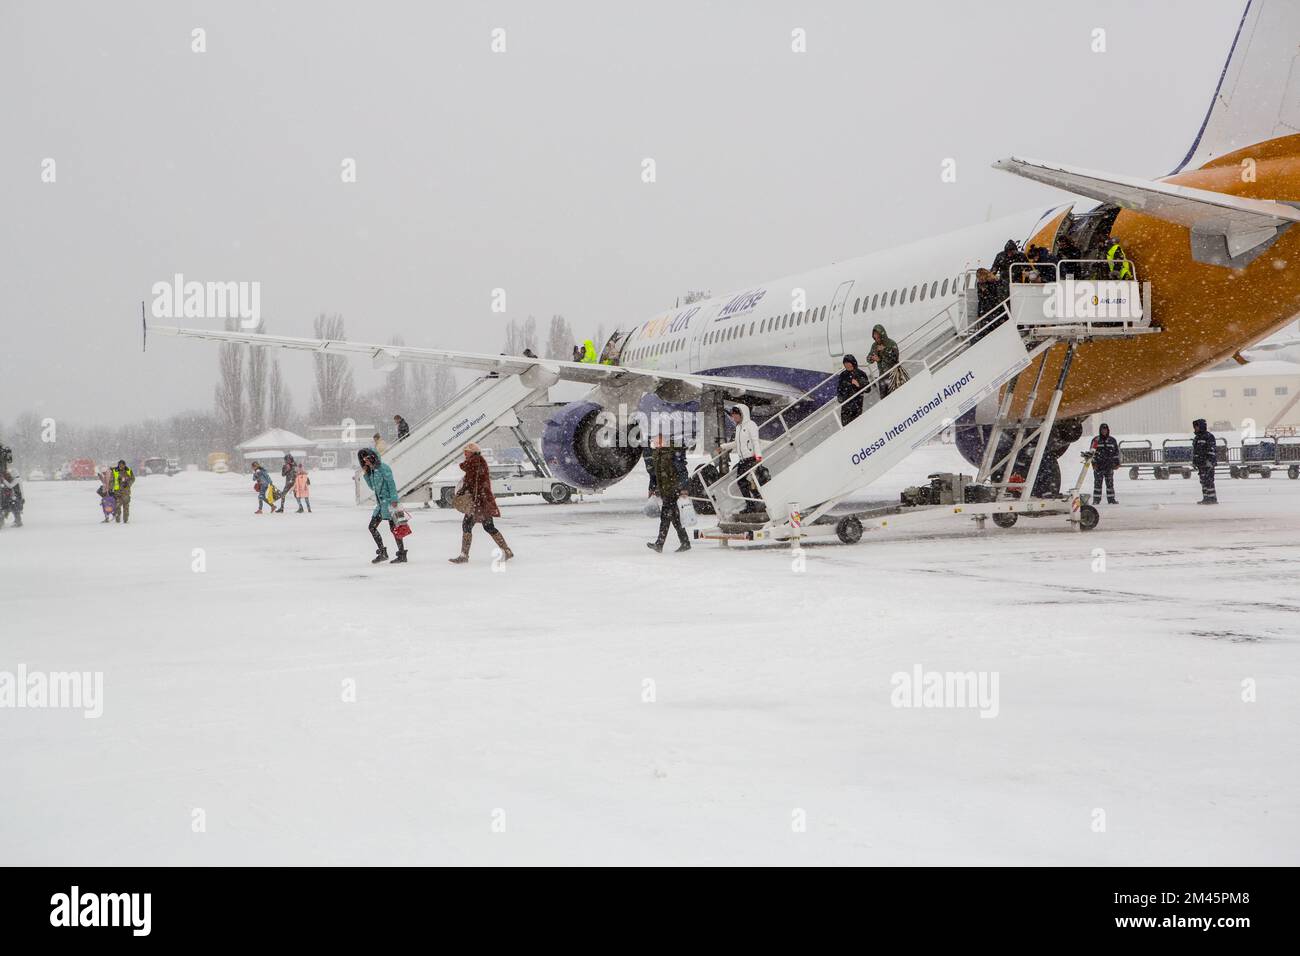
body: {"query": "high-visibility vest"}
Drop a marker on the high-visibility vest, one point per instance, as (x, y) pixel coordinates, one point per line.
(1125, 268)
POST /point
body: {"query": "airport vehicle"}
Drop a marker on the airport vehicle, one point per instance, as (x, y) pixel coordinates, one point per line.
(1263, 456)
(1202, 234)
(36, 475)
(219, 467)
(82, 469)
(218, 457)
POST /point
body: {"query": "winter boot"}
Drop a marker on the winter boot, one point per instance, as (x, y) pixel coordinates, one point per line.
(506, 553)
(656, 546)
(1208, 501)
(300, 509)
(1111, 501)
(684, 546)
(381, 555)
(463, 557)
(401, 557)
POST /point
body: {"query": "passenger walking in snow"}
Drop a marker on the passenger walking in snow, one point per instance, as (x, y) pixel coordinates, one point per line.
(749, 451)
(1105, 459)
(288, 471)
(379, 479)
(302, 489)
(123, 479)
(668, 482)
(107, 500)
(480, 504)
(884, 355)
(11, 497)
(1205, 456)
(403, 429)
(262, 485)
(849, 390)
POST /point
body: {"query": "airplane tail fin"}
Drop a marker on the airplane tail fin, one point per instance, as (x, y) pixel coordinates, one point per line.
(1258, 96)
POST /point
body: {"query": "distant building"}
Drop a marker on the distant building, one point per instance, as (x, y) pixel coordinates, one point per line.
(1229, 397)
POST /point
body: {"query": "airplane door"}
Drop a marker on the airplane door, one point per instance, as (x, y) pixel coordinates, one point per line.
(699, 325)
(835, 321)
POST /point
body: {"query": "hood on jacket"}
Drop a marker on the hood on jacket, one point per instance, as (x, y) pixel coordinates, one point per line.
(1199, 425)
(365, 453)
(1103, 427)
(881, 329)
(743, 409)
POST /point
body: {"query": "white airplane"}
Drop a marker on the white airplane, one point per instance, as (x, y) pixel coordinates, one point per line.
(1214, 238)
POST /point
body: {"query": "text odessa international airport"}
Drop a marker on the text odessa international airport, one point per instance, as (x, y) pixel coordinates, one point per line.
(862, 454)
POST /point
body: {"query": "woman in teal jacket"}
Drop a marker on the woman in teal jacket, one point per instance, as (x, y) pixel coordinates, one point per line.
(379, 478)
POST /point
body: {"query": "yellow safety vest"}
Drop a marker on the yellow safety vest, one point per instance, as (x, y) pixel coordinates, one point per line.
(1125, 268)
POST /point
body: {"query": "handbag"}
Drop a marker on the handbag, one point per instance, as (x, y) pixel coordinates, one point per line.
(897, 376)
(401, 523)
(463, 502)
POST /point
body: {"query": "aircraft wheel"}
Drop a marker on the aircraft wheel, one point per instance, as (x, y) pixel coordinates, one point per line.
(1005, 519)
(559, 494)
(849, 530)
(1088, 517)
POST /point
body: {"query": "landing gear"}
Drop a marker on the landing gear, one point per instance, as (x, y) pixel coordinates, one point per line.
(1088, 517)
(1004, 519)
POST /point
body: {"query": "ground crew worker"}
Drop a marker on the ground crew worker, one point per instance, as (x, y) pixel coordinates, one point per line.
(588, 352)
(1120, 267)
(1205, 455)
(123, 479)
(1105, 459)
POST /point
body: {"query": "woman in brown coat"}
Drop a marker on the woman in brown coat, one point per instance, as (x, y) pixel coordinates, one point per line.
(478, 485)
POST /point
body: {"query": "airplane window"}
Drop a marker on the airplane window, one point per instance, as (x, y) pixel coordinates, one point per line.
(933, 287)
(855, 306)
(823, 318)
(913, 298)
(944, 290)
(922, 293)
(892, 296)
(873, 302)
(751, 328)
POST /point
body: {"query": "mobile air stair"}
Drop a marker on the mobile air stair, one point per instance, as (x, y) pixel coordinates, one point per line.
(486, 404)
(812, 462)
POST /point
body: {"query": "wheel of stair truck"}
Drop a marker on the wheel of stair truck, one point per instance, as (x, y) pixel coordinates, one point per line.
(1133, 473)
(1004, 519)
(706, 472)
(559, 494)
(849, 530)
(1234, 471)
(1266, 472)
(445, 496)
(1088, 517)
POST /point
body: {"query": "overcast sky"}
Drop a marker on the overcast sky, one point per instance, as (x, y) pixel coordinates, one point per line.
(522, 170)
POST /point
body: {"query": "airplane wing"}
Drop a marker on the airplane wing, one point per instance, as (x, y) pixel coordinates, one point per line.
(1244, 223)
(387, 356)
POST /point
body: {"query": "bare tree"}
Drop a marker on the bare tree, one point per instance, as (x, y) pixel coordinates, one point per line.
(335, 391)
(444, 385)
(396, 392)
(694, 296)
(279, 401)
(514, 339)
(255, 410)
(229, 399)
(529, 336)
(559, 339)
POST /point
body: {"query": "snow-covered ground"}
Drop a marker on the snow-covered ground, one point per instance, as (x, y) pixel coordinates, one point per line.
(593, 702)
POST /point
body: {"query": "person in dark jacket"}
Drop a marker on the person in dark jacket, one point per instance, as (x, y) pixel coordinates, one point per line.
(1205, 455)
(849, 390)
(379, 479)
(670, 487)
(1105, 459)
(288, 471)
(477, 483)
(884, 354)
(403, 429)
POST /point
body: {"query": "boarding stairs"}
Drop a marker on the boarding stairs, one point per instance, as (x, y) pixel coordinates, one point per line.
(814, 459)
(434, 443)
